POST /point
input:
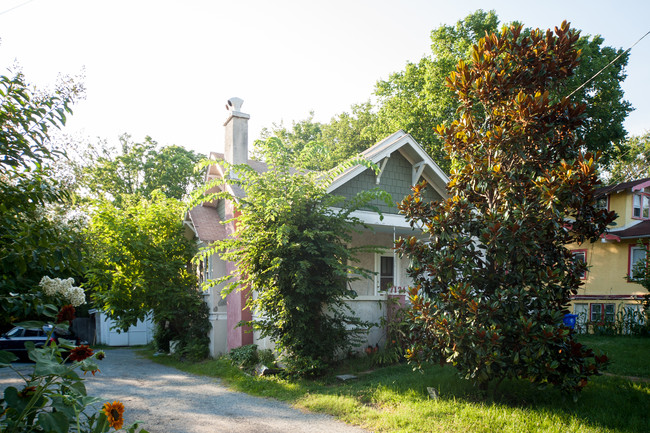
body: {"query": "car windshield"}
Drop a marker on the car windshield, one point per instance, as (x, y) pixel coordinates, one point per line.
(16, 332)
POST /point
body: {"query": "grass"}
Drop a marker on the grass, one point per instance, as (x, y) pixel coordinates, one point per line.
(395, 399)
(630, 355)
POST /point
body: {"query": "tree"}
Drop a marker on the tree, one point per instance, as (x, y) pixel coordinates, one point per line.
(494, 278)
(416, 98)
(35, 240)
(632, 162)
(348, 134)
(301, 146)
(291, 249)
(139, 168)
(139, 263)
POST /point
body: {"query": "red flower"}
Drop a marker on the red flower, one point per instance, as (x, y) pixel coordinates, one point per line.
(66, 314)
(80, 353)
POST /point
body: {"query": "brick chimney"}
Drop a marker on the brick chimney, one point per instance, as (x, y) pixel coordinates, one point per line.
(236, 144)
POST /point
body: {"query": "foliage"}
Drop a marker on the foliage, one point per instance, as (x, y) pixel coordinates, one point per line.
(416, 98)
(34, 238)
(632, 162)
(291, 248)
(396, 327)
(320, 146)
(244, 356)
(138, 169)
(27, 117)
(493, 278)
(301, 147)
(54, 398)
(139, 263)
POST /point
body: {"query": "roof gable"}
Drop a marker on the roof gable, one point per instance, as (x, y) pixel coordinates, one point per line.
(405, 145)
(634, 185)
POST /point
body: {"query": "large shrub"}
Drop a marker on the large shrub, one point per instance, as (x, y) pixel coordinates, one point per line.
(139, 264)
(291, 248)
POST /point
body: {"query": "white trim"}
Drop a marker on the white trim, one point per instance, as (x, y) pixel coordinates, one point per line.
(368, 298)
(397, 141)
(417, 172)
(190, 224)
(373, 219)
(377, 276)
(381, 170)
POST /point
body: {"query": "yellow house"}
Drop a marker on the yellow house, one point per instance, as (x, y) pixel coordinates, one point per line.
(608, 292)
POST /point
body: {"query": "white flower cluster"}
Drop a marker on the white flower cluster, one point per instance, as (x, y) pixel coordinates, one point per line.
(63, 288)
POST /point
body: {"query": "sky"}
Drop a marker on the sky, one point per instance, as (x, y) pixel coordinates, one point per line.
(166, 68)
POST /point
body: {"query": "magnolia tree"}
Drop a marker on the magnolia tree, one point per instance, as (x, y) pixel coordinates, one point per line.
(493, 278)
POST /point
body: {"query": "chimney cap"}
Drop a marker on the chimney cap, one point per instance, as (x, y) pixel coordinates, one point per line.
(234, 104)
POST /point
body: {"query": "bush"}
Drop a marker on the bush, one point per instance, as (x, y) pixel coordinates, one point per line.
(245, 356)
(297, 264)
(266, 357)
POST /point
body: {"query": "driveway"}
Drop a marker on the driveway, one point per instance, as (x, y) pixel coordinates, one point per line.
(169, 401)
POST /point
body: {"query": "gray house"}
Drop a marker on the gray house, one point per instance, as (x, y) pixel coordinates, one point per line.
(402, 163)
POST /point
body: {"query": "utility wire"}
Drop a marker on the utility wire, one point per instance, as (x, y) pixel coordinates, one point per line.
(608, 65)
(16, 7)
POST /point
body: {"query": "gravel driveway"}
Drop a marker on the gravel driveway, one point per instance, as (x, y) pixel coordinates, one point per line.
(169, 401)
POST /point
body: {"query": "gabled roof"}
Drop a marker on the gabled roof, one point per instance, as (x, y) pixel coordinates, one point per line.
(217, 170)
(410, 149)
(634, 185)
(640, 230)
(206, 223)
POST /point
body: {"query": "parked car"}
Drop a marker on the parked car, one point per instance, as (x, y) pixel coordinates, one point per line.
(14, 340)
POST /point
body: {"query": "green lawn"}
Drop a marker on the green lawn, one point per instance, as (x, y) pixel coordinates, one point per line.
(395, 399)
(630, 356)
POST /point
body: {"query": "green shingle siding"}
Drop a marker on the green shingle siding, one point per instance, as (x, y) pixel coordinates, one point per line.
(221, 209)
(396, 180)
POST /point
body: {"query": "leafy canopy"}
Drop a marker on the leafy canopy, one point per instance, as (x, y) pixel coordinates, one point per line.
(633, 161)
(139, 264)
(35, 239)
(139, 168)
(291, 248)
(416, 98)
(494, 278)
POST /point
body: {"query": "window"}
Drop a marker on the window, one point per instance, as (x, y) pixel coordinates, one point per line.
(581, 311)
(16, 332)
(641, 206)
(580, 256)
(33, 333)
(602, 203)
(637, 256)
(386, 273)
(601, 313)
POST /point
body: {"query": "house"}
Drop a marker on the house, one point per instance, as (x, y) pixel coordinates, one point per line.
(609, 289)
(402, 163)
